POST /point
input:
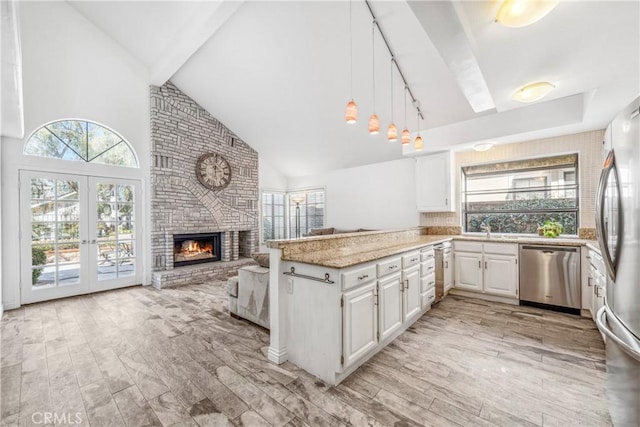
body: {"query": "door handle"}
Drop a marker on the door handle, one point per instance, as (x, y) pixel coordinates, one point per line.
(601, 323)
(610, 260)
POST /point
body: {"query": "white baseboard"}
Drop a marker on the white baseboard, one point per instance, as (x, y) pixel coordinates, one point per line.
(277, 356)
(486, 297)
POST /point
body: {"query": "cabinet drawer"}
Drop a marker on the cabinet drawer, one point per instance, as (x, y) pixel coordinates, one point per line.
(467, 246)
(412, 258)
(388, 266)
(428, 297)
(427, 282)
(427, 253)
(428, 267)
(501, 248)
(356, 277)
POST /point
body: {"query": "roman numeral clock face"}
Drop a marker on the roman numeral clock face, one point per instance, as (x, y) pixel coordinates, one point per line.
(213, 171)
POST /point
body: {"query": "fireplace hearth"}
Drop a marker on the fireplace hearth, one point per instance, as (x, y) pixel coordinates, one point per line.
(189, 249)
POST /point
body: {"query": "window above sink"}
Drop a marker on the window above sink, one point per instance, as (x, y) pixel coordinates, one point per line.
(514, 198)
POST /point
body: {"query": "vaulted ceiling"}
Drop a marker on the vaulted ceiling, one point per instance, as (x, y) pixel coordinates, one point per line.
(277, 73)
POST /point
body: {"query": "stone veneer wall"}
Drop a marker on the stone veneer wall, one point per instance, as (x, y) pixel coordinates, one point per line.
(588, 145)
(182, 131)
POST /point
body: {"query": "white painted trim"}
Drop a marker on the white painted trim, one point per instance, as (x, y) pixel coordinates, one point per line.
(277, 356)
(486, 297)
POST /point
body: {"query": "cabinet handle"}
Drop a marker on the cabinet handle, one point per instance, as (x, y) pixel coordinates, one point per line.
(446, 202)
(446, 264)
(431, 297)
(589, 281)
(485, 265)
(407, 284)
(376, 301)
(364, 276)
(414, 259)
(479, 264)
(391, 267)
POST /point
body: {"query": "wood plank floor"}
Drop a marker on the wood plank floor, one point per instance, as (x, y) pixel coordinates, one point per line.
(174, 357)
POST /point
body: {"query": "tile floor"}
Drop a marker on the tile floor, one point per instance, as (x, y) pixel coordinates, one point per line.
(174, 357)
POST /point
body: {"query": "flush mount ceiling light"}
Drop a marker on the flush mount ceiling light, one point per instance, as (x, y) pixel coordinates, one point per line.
(533, 92)
(483, 146)
(520, 13)
(351, 114)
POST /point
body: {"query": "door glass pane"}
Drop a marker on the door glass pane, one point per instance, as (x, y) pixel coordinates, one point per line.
(115, 230)
(55, 232)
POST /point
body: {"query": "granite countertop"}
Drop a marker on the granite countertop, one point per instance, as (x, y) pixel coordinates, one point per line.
(349, 256)
(354, 255)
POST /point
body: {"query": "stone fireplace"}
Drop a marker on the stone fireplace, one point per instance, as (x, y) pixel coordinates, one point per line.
(183, 210)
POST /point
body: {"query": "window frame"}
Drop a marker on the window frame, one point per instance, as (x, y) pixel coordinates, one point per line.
(288, 234)
(285, 205)
(81, 159)
(513, 191)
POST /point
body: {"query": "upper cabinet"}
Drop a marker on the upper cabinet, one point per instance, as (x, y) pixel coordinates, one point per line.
(434, 184)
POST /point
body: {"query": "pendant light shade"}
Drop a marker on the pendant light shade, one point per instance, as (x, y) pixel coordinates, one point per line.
(406, 137)
(418, 144)
(392, 133)
(520, 13)
(374, 124)
(351, 115)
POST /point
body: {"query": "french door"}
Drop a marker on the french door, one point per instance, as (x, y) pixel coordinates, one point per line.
(78, 234)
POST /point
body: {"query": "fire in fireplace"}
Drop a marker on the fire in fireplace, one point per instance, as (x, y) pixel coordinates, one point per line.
(199, 248)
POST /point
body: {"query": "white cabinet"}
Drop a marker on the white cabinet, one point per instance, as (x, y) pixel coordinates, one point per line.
(447, 271)
(434, 183)
(359, 322)
(411, 280)
(500, 275)
(390, 292)
(490, 268)
(468, 271)
(597, 282)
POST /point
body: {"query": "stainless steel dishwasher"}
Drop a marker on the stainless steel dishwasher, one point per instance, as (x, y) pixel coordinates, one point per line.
(550, 276)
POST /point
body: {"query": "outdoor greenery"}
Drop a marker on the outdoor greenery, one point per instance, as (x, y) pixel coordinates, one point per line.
(38, 257)
(522, 216)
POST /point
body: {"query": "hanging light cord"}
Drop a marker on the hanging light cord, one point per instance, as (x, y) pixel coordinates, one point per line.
(373, 59)
(405, 107)
(351, 48)
(375, 23)
(391, 89)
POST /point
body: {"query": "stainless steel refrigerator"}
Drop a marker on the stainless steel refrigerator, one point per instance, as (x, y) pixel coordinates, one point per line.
(618, 229)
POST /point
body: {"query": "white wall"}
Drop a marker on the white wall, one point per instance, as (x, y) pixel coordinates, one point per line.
(70, 70)
(376, 196)
(269, 178)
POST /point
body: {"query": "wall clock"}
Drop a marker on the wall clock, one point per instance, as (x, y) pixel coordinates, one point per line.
(213, 171)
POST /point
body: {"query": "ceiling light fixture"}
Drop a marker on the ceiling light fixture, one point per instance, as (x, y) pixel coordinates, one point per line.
(374, 122)
(406, 136)
(483, 146)
(392, 132)
(520, 13)
(351, 114)
(533, 92)
(418, 144)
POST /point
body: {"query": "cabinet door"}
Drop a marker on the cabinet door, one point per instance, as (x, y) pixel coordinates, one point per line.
(468, 271)
(447, 272)
(359, 322)
(433, 185)
(500, 275)
(411, 281)
(390, 304)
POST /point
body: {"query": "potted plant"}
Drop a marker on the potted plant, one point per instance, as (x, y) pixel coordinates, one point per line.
(550, 228)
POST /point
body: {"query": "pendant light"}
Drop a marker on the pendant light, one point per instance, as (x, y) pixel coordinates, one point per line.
(351, 114)
(418, 144)
(374, 122)
(392, 132)
(406, 136)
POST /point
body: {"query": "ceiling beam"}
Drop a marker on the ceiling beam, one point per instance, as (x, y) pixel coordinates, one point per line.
(442, 23)
(12, 109)
(208, 19)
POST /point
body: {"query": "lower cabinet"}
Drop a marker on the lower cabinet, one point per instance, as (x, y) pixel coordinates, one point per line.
(411, 281)
(490, 268)
(359, 322)
(390, 292)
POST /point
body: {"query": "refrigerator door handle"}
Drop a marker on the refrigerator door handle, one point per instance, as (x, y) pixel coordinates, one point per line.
(610, 260)
(601, 321)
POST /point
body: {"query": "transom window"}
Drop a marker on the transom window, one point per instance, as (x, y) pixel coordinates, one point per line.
(519, 196)
(80, 140)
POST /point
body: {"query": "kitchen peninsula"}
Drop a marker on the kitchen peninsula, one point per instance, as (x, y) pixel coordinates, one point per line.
(365, 289)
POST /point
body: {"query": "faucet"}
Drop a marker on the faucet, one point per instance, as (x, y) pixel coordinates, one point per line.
(487, 228)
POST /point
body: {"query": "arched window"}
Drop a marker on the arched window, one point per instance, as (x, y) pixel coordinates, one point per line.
(82, 141)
